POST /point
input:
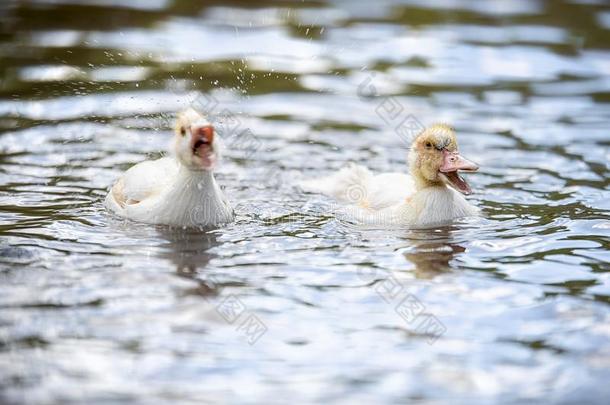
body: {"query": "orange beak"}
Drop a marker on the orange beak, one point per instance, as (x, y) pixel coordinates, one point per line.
(203, 135)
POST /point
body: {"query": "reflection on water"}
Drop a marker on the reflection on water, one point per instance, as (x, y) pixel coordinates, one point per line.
(288, 301)
(433, 254)
(189, 251)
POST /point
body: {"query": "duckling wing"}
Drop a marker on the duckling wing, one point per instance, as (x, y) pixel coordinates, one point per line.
(388, 189)
(143, 181)
(356, 185)
(347, 185)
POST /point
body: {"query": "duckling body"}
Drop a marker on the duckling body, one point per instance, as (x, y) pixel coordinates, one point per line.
(177, 190)
(426, 197)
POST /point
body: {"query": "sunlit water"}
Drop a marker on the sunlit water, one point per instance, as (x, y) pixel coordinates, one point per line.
(512, 306)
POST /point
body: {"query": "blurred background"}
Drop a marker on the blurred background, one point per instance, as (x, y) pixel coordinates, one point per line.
(289, 302)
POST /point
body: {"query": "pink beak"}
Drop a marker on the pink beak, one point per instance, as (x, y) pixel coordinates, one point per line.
(452, 161)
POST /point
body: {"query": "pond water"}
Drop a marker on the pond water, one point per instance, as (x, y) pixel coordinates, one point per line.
(288, 302)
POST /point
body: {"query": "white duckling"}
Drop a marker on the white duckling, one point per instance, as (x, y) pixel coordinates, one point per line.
(431, 195)
(178, 190)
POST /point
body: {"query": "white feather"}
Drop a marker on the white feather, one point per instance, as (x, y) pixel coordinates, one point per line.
(165, 192)
(178, 190)
(389, 199)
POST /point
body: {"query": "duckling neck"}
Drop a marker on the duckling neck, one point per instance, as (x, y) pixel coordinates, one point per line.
(198, 179)
(195, 199)
(422, 182)
(197, 186)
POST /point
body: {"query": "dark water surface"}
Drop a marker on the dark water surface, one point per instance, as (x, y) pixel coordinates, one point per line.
(288, 303)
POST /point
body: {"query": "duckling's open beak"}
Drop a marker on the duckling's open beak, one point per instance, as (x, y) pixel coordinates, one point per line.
(452, 162)
(202, 136)
(202, 139)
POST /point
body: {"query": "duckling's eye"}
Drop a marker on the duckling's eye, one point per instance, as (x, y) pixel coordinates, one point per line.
(428, 145)
(182, 131)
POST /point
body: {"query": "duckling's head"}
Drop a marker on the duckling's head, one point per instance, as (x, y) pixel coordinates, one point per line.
(195, 143)
(434, 159)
